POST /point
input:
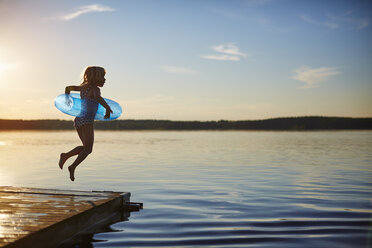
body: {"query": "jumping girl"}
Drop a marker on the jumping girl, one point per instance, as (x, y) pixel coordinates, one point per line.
(90, 95)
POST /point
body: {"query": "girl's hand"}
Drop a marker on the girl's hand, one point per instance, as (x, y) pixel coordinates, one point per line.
(67, 90)
(108, 112)
(68, 101)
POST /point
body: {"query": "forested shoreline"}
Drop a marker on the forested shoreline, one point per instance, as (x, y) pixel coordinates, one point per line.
(290, 123)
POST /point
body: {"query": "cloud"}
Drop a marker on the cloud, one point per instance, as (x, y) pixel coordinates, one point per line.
(329, 23)
(226, 52)
(227, 13)
(312, 77)
(259, 2)
(85, 10)
(362, 24)
(229, 49)
(221, 57)
(178, 69)
(341, 21)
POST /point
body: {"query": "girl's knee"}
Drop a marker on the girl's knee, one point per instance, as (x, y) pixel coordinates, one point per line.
(88, 149)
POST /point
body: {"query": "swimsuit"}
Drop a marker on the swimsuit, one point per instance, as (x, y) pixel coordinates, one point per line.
(88, 108)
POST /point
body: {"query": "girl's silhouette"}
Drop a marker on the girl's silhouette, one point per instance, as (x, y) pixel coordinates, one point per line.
(90, 94)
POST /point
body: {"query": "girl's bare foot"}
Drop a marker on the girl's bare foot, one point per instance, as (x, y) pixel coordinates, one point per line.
(72, 172)
(62, 160)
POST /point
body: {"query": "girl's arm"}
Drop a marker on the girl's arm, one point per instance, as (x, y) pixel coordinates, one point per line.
(72, 88)
(100, 100)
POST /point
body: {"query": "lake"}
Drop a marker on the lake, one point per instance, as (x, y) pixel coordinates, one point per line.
(213, 188)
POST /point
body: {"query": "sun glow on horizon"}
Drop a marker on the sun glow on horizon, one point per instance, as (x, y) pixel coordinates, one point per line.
(6, 66)
(3, 66)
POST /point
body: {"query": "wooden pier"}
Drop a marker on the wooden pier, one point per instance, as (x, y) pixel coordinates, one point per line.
(48, 218)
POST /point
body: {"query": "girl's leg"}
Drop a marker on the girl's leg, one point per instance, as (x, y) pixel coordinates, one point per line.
(88, 140)
(64, 156)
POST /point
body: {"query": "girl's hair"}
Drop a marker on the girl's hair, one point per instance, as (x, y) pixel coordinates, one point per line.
(93, 75)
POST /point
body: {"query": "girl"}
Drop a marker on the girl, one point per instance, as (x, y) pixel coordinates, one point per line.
(90, 94)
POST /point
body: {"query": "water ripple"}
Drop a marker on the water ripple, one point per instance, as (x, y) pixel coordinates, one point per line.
(214, 189)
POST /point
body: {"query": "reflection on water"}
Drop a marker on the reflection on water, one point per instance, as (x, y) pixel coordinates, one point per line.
(267, 189)
(87, 238)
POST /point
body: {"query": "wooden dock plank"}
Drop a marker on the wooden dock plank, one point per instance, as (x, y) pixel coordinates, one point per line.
(46, 217)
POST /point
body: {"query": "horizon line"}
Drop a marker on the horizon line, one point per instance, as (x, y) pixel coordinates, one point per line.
(270, 118)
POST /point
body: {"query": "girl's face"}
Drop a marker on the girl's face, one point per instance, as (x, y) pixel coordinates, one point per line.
(101, 82)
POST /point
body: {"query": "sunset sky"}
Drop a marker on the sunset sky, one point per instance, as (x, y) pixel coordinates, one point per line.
(190, 60)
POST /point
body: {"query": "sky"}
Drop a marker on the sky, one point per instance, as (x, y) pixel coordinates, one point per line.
(190, 59)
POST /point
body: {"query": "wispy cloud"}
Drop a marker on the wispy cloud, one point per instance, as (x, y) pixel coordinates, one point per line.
(178, 69)
(312, 77)
(329, 24)
(227, 13)
(226, 52)
(85, 10)
(346, 20)
(221, 57)
(258, 2)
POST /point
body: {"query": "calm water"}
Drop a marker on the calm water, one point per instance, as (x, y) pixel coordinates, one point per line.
(227, 189)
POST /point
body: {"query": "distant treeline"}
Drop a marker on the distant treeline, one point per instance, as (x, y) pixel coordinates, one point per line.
(291, 123)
